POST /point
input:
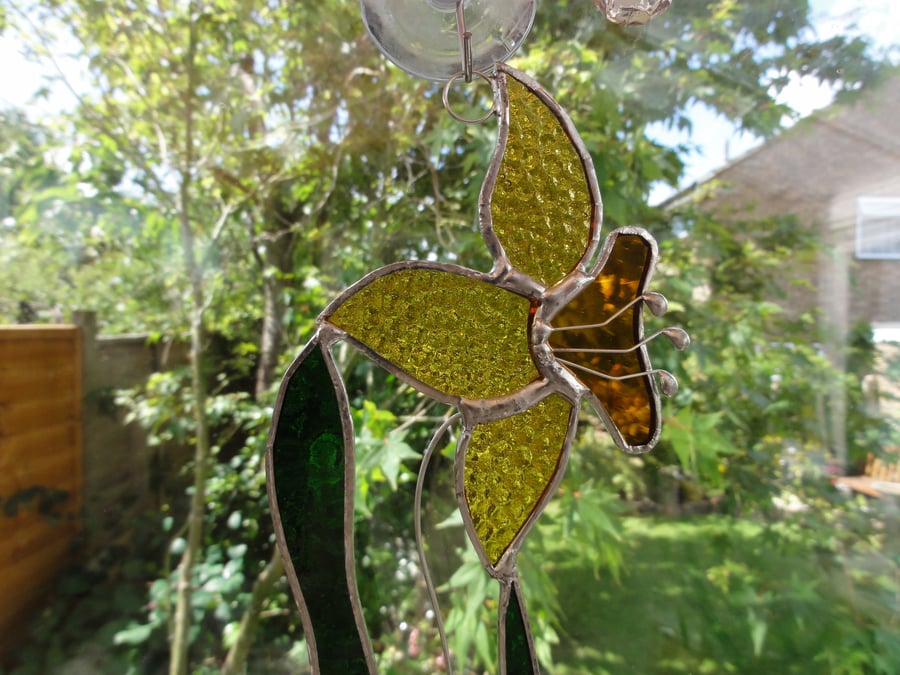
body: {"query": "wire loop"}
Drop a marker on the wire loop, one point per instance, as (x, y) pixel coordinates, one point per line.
(446, 97)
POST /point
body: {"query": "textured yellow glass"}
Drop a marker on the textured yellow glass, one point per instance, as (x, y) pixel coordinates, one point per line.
(508, 466)
(458, 335)
(541, 205)
(628, 402)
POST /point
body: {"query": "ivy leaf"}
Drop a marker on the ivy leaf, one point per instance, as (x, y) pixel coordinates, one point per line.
(135, 634)
(390, 456)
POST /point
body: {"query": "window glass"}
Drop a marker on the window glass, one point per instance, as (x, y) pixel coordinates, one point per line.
(201, 200)
(878, 227)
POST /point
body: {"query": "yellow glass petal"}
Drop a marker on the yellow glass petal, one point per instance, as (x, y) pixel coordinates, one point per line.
(631, 403)
(458, 335)
(508, 467)
(541, 206)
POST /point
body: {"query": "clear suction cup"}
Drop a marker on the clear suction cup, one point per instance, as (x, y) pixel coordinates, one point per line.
(423, 37)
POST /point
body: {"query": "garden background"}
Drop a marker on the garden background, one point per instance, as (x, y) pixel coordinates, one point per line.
(230, 166)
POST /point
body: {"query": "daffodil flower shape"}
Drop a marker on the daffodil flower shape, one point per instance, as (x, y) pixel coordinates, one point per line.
(557, 321)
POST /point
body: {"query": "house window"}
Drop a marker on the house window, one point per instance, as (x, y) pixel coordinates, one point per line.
(878, 228)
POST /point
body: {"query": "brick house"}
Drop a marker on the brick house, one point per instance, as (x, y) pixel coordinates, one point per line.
(837, 170)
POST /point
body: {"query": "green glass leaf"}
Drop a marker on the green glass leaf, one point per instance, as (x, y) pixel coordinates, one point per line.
(459, 335)
(308, 475)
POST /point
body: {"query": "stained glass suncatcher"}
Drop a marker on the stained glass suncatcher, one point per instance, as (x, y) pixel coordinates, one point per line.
(557, 321)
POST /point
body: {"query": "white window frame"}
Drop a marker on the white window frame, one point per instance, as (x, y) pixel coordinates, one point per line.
(884, 213)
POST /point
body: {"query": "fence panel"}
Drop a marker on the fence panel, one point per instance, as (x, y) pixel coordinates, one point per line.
(40, 464)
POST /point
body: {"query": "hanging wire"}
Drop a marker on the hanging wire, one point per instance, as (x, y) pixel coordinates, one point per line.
(420, 544)
(465, 40)
(468, 72)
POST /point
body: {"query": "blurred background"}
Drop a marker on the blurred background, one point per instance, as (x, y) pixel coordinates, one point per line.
(185, 185)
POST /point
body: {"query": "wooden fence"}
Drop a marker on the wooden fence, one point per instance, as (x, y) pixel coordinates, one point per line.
(40, 463)
(71, 470)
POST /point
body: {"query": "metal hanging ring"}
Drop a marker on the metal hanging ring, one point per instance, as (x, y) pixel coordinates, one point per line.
(446, 97)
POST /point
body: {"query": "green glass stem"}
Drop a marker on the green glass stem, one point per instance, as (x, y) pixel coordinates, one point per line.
(516, 646)
(309, 469)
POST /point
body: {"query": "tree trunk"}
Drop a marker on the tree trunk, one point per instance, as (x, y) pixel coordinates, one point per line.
(180, 641)
(270, 348)
(180, 638)
(272, 331)
(236, 661)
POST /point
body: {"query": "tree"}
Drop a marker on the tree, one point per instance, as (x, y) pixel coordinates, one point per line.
(69, 238)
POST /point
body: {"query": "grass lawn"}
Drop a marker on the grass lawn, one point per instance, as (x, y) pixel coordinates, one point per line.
(713, 594)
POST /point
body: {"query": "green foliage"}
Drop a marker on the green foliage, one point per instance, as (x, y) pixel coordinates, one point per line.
(696, 444)
(91, 605)
(380, 452)
(720, 595)
(238, 529)
(756, 384)
(471, 620)
(65, 242)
